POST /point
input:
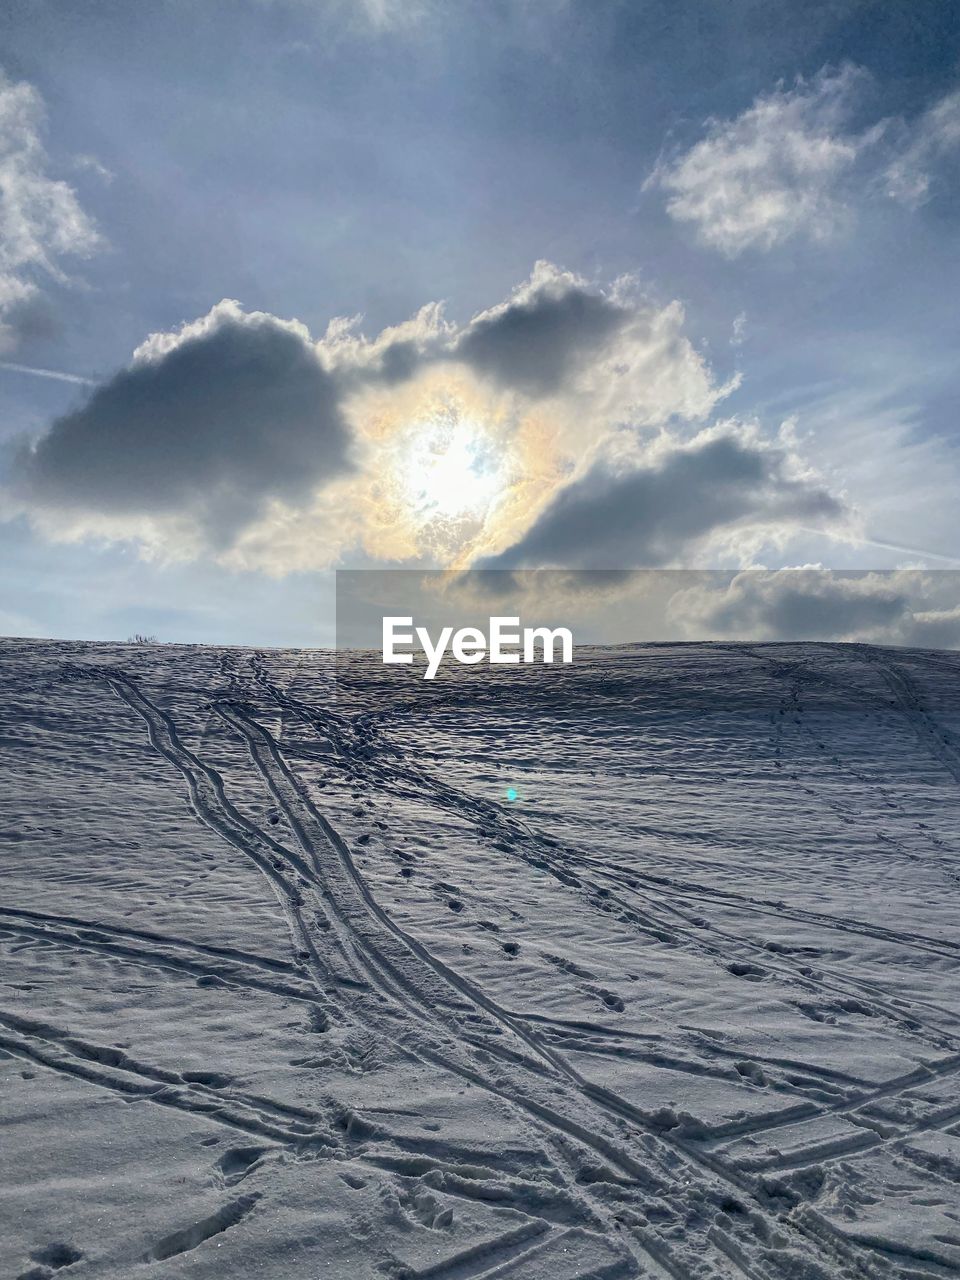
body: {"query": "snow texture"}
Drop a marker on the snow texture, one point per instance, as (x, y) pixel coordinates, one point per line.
(292, 989)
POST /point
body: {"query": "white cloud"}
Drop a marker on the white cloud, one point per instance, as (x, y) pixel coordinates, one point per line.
(908, 176)
(392, 13)
(364, 16)
(773, 172)
(41, 220)
(785, 167)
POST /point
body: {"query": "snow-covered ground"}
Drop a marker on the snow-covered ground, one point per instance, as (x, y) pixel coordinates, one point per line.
(292, 989)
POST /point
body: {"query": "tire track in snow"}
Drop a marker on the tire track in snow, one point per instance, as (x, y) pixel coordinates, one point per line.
(212, 806)
(98, 941)
(925, 1074)
(895, 1013)
(292, 880)
(268, 963)
(285, 870)
(114, 1070)
(313, 830)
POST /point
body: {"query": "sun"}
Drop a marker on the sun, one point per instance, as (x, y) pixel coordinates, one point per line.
(449, 464)
(450, 467)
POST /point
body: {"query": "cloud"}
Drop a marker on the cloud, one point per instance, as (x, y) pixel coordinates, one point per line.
(544, 334)
(615, 352)
(784, 168)
(241, 437)
(41, 220)
(773, 172)
(658, 512)
(908, 176)
(606, 364)
(387, 14)
(904, 607)
(211, 421)
(376, 15)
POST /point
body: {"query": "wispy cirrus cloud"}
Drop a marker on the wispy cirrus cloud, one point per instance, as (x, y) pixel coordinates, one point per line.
(910, 174)
(41, 219)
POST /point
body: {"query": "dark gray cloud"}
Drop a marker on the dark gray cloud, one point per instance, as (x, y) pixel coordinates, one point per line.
(646, 517)
(902, 607)
(235, 411)
(506, 584)
(936, 628)
(793, 605)
(399, 362)
(209, 423)
(540, 338)
(536, 342)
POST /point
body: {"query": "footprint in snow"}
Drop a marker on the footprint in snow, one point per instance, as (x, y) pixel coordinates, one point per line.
(56, 1255)
(741, 969)
(234, 1165)
(568, 966)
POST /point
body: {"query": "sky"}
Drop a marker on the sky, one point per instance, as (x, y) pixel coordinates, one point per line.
(288, 286)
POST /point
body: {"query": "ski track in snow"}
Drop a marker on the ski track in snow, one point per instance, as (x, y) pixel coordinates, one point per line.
(291, 989)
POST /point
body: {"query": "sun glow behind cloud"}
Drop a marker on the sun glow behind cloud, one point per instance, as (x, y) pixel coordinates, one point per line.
(431, 443)
(447, 457)
(451, 468)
